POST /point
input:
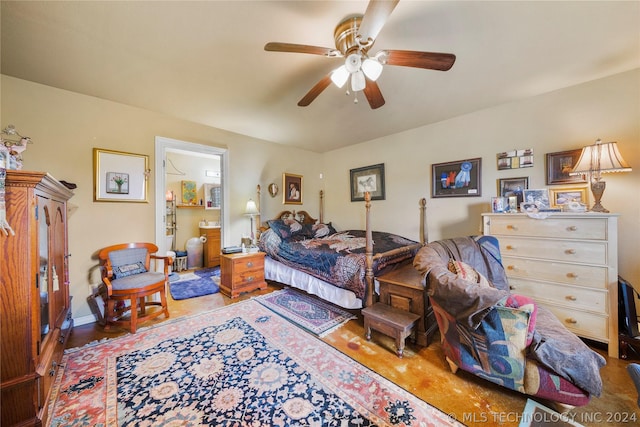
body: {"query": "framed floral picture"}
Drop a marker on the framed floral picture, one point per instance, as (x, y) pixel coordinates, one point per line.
(119, 176)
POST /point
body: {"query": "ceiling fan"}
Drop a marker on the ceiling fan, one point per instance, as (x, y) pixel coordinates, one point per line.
(354, 37)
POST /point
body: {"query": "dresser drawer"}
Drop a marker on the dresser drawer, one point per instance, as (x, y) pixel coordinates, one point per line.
(248, 277)
(572, 297)
(560, 250)
(581, 323)
(248, 265)
(561, 228)
(572, 274)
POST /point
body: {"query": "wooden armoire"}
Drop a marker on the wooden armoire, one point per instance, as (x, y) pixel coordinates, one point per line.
(35, 312)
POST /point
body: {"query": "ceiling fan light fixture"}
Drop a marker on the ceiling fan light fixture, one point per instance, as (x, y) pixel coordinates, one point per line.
(339, 76)
(357, 81)
(353, 62)
(372, 69)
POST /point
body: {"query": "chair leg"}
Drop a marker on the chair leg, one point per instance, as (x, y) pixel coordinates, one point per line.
(109, 313)
(165, 306)
(452, 365)
(134, 315)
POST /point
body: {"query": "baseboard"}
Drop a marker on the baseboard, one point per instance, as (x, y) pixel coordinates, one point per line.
(84, 320)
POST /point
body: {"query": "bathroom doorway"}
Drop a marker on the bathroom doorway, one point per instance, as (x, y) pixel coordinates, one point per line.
(165, 150)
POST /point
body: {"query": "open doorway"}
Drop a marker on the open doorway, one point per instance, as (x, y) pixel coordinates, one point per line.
(165, 147)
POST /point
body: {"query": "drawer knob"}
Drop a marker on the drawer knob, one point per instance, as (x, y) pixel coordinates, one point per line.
(572, 228)
(571, 320)
(512, 227)
(512, 288)
(249, 264)
(250, 279)
(510, 248)
(571, 298)
(572, 275)
(570, 251)
(512, 268)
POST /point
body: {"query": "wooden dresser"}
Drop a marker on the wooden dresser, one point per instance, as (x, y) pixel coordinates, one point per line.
(568, 263)
(211, 246)
(242, 273)
(35, 312)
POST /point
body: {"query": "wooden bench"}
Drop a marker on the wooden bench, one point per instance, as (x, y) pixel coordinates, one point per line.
(390, 321)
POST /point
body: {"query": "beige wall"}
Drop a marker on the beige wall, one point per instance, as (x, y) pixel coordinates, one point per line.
(66, 126)
(562, 120)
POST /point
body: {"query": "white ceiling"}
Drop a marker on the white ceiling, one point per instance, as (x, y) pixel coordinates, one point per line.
(204, 61)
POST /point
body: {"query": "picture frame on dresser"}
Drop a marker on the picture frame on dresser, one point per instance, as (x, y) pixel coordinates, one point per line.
(119, 176)
(509, 187)
(461, 178)
(560, 196)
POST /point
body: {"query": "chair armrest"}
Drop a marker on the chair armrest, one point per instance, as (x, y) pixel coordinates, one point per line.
(167, 261)
(526, 304)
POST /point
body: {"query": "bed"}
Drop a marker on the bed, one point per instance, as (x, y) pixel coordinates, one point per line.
(338, 266)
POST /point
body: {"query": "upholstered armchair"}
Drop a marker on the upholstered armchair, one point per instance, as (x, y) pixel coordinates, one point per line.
(502, 337)
(129, 281)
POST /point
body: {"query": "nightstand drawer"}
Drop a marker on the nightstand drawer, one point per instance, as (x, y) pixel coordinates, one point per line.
(561, 228)
(571, 274)
(573, 297)
(248, 265)
(560, 250)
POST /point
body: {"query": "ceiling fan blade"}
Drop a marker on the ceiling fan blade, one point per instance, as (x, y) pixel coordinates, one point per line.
(375, 17)
(411, 58)
(315, 91)
(373, 94)
(301, 48)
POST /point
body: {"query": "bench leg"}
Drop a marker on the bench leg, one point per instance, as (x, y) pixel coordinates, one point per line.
(367, 330)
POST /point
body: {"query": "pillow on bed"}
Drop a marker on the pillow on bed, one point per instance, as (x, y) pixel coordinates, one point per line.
(316, 231)
(466, 272)
(285, 228)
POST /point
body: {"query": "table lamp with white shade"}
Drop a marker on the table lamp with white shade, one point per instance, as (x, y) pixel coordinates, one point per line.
(596, 159)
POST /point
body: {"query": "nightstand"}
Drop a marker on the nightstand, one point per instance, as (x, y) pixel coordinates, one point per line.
(404, 288)
(241, 273)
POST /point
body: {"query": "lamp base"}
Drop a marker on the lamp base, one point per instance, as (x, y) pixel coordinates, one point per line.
(597, 188)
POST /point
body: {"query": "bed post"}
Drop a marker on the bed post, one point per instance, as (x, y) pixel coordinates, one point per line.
(321, 220)
(256, 231)
(424, 233)
(368, 274)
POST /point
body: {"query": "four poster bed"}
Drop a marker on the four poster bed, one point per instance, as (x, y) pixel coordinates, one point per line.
(337, 266)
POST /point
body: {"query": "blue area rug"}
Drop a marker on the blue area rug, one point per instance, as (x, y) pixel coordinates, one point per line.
(190, 285)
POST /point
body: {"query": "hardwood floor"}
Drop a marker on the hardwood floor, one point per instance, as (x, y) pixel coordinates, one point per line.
(424, 372)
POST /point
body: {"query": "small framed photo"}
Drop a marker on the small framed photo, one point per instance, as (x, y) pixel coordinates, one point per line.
(291, 189)
(513, 187)
(461, 178)
(560, 164)
(539, 198)
(367, 179)
(119, 176)
(499, 204)
(564, 195)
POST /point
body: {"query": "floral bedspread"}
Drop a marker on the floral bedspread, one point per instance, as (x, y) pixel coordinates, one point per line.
(338, 258)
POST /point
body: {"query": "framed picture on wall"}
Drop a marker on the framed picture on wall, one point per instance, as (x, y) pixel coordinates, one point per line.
(461, 178)
(368, 178)
(291, 189)
(119, 176)
(560, 164)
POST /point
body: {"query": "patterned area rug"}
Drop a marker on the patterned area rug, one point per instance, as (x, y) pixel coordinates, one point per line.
(201, 282)
(306, 311)
(240, 365)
